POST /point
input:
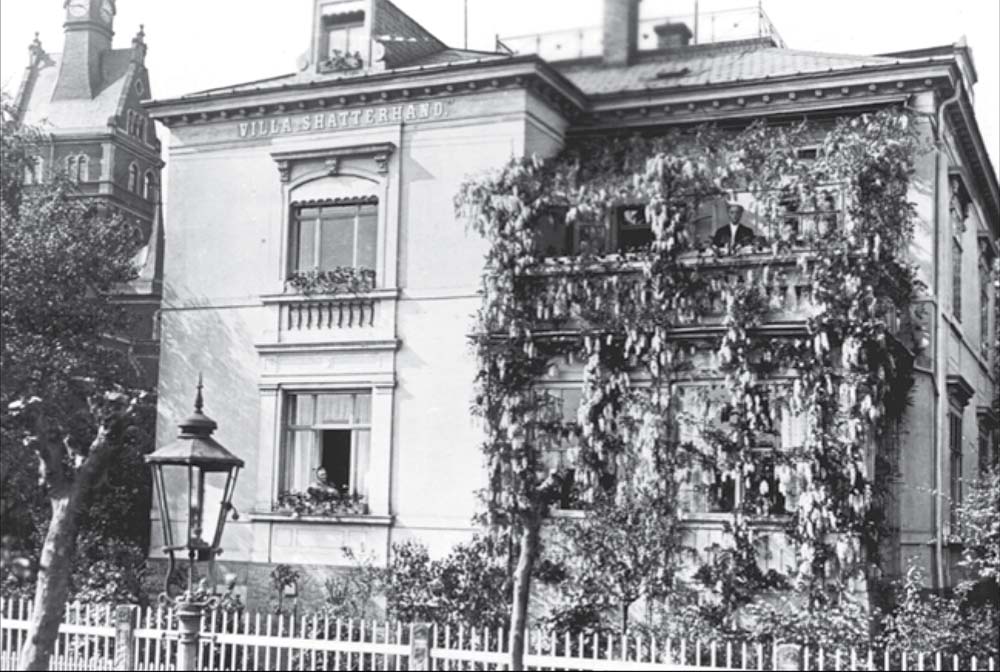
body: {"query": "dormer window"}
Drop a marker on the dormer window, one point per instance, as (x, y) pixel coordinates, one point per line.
(343, 41)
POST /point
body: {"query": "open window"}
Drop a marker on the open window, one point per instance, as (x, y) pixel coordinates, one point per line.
(632, 232)
(327, 439)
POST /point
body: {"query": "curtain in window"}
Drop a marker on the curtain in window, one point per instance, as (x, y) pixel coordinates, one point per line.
(302, 459)
(362, 457)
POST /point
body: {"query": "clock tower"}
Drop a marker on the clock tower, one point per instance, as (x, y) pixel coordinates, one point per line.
(89, 31)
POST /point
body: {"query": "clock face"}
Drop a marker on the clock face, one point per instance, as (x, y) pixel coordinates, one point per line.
(107, 10)
(78, 7)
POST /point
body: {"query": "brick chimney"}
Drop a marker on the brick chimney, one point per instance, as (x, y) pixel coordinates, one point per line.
(621, 31)
(671, 35)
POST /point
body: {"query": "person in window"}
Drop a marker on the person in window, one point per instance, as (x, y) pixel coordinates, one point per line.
(734, 235)
(321, 488)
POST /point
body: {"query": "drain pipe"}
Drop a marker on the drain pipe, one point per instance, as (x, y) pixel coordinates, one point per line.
(941, 350)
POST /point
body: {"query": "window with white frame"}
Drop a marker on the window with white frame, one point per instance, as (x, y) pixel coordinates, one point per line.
(343, 34)
(712, 483)
(326, 237)
(327, 442)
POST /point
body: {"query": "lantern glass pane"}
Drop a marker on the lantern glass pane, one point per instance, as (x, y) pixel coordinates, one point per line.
(215, 492)
(174, 481)
(162, 507)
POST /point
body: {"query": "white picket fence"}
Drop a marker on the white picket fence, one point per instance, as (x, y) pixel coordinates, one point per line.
(102, 637)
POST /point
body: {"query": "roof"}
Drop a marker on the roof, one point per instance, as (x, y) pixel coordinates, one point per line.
(440, 58)
(718, 63)
(41, 110)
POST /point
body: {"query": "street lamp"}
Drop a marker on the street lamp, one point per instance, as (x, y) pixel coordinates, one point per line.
(197, 460)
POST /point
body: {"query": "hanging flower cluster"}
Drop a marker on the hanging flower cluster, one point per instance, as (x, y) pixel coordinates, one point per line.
(640, 320)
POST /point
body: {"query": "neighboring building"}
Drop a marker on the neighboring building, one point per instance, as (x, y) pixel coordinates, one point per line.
(353, 162)
(87, 100)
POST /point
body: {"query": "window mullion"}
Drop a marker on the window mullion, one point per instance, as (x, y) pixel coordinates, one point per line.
(354, 251)
(317, 238)
(353, 464)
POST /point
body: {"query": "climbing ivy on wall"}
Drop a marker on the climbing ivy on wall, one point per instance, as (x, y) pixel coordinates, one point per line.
(642, 321)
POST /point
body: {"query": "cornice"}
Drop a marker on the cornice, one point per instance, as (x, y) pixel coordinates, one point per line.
(809, 93)
(401, 86)
(963, 120)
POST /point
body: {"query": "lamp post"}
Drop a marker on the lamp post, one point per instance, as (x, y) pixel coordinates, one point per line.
(194, 460)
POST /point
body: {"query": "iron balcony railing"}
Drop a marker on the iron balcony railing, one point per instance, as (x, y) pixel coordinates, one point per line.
(707, 27)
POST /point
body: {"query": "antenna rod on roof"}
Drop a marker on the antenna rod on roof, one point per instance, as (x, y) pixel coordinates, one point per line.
(696, 21)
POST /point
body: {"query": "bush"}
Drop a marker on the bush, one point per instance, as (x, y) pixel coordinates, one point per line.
(949, 624)
(468, 586)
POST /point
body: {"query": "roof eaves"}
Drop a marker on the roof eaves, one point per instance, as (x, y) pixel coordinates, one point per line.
(570, 89)
(780, 79)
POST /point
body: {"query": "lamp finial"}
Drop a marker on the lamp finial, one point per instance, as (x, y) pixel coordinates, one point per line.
(198, 401)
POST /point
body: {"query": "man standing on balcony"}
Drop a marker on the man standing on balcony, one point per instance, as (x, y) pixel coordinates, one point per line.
(734, 235)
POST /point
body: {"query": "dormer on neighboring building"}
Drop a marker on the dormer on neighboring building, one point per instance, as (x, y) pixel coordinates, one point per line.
(89, 29)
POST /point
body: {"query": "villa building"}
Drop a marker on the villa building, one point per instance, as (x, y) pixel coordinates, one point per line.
(349, 166)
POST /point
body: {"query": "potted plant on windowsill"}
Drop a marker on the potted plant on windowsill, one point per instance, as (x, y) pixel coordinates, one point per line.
(338, 280)
(326, 502)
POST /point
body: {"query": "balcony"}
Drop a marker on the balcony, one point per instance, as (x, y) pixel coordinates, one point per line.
(343, 318)
(724, 25)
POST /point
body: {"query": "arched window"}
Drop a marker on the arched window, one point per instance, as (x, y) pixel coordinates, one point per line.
(129, 122)
(82, 168)
(71, 167)
(133, 178)
(149, 186)
(141, 131)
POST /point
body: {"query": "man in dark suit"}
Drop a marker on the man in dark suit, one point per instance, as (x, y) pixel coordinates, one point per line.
(734, 235)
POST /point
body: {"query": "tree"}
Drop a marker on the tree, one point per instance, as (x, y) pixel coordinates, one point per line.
(64, 399)
(628, 547)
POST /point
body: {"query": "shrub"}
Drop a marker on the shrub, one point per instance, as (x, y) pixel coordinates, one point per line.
(468, 586)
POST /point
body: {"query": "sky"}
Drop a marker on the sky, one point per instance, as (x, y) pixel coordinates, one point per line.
(201, 44)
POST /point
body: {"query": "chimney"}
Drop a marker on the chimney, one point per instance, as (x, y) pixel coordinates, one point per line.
(621, 31)
(671, 35)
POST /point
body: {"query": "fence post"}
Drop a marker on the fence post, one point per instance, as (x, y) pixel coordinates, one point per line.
(788, 657)
(420, 644)
(124, 636)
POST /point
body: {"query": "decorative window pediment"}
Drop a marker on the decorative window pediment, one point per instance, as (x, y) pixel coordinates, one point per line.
(959, 390)
(330, 160)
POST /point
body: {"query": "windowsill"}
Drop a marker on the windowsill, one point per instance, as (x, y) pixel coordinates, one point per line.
(350, 519)
(618, 261)
(718, 519)
(691, 519)
(298, 297)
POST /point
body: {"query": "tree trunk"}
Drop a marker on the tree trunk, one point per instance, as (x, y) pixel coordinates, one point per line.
(522, 591)
(56, 563)
(54, 569)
